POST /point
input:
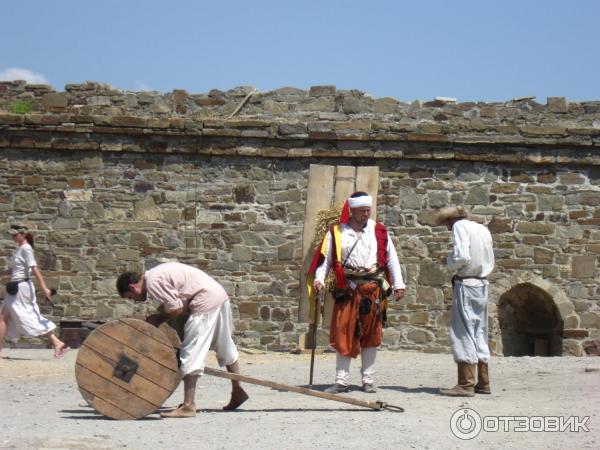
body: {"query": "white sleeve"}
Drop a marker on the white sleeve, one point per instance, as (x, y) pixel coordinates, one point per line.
(393, 266)
(29, 257)
(323, 269)
(460, 254)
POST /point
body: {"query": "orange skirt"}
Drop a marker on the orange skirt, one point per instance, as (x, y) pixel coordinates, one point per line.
(345, 318)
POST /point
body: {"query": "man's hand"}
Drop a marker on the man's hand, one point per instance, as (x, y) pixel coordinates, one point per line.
(398, 294)
(155, 319)
(318, 286)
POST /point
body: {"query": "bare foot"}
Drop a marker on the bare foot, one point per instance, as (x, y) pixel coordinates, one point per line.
(238, 396)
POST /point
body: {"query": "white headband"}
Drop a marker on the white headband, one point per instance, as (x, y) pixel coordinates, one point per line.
(357, 202)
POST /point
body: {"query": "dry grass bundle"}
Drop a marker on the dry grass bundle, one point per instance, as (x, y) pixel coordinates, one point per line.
(326, 218)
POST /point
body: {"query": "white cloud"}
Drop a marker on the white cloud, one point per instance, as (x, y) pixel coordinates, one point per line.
(140, 85)
(18, 73)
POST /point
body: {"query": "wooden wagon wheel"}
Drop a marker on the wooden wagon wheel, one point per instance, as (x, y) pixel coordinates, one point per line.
(126, 369)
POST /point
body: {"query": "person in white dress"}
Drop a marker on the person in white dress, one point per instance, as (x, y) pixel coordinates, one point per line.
(20, 314)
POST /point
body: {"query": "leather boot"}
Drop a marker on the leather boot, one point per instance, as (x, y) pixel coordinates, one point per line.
(466, 381)
(483, 379)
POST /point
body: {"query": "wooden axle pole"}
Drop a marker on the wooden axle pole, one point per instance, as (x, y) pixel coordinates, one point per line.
(378, 405)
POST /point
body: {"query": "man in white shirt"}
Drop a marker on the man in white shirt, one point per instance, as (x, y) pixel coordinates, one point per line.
(472, 260)
(364, 260)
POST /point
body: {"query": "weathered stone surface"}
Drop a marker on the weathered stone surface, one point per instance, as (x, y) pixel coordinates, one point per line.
(113, 181)
(431, 274)
(592, 347)
(535, 228)
(419, 336)
(499, 225)
(584, 267)
(477, 195)
(557, 104)
(55, 100)
(572, 347)
(543, 256)
(575, 333)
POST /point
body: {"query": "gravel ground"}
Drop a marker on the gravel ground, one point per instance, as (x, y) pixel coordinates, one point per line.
(42, 407)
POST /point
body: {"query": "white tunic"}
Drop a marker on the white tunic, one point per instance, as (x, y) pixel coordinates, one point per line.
(25, 316)
(473, 252)
(364, 254)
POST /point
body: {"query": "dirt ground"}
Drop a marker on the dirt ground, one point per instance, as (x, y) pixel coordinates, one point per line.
(41, 407)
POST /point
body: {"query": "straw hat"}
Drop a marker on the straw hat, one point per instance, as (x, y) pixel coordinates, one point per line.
(450, 212)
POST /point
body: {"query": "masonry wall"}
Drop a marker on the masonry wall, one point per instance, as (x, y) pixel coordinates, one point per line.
(106, 193)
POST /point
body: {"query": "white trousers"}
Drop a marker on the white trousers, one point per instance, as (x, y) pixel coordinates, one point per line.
(469, 328)
(342, 366)
(204, 332)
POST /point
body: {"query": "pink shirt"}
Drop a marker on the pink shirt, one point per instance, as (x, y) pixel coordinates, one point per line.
(176, 285)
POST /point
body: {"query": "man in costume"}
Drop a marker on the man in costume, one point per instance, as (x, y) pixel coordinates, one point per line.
(183, 289)
(366, 268)
(472, 260)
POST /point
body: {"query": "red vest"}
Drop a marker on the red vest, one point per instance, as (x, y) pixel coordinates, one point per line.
(381, 236)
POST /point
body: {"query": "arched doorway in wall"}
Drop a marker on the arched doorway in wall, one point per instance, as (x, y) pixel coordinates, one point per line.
(530, 322)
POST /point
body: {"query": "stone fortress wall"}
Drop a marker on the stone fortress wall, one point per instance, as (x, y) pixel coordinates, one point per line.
(112, 181)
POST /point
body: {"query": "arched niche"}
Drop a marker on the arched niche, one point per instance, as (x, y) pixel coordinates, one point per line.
(530, 322)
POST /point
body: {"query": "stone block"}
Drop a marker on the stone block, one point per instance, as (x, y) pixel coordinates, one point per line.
(523, 251)
(286, 252)
(248, 309)
(592, 347)
(478, 195)
(572, 347)
(432, 274)
(546, 178)
(265, 312)
(543, 256)
(386, 105)
(419, 318)
(571, 178)
(575, 333)
(292, 195)
(353, 105)
(583, 267)
(557, 104)
(429, 295)
(589, 198)
(317, 104)
(55, 100)
(419, 336)
(410, 200)
(505, 188)
(103, 311)
(548, 202)
(500, 225)
(551, 271)
(391, 336)
(571, 321)
(241, 253)
(536, 228)
(280, 314)
(590, 319)
(318, 91)
(437, 199)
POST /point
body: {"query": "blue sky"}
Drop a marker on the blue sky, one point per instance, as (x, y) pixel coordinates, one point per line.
(420, 49)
